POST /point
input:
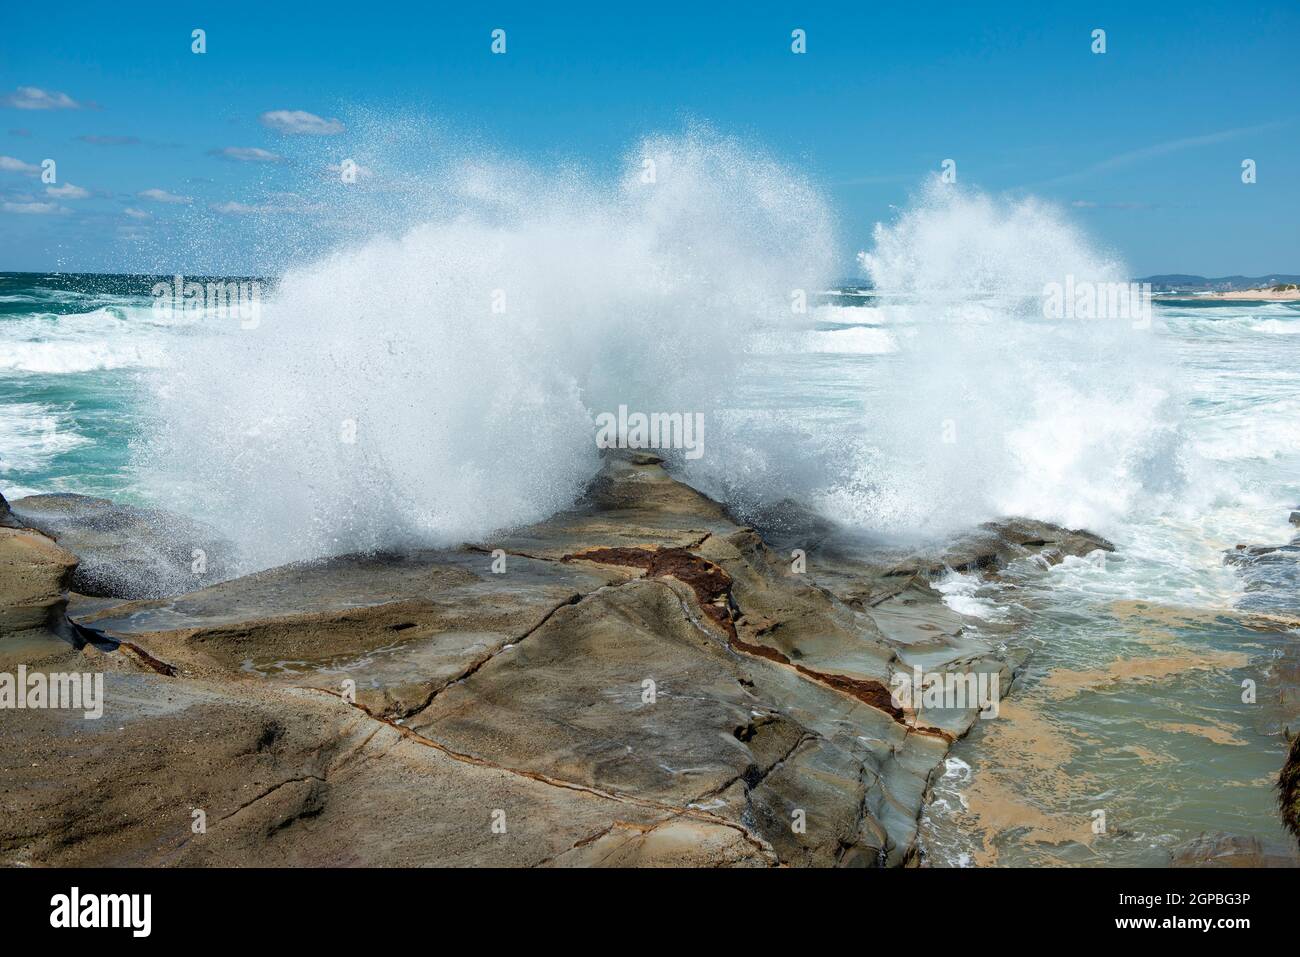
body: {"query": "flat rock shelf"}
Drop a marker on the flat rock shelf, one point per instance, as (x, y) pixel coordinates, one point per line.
(641, 680)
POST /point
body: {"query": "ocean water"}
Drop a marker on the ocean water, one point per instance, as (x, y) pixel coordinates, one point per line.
(437, 384)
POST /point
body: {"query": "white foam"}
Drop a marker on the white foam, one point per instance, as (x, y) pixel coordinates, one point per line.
(32, 434)
(1281, 327)
(961, 594)
(848, 341)
(991, 410)
(71, 357)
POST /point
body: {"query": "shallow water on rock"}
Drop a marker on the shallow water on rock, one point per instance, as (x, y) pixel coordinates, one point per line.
(1133, 728)
(1126, 736)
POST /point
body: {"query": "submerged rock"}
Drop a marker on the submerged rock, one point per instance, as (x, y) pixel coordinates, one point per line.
(640, 680)
(1231, 850)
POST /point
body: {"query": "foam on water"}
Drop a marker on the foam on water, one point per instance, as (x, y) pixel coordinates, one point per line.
(34, 433)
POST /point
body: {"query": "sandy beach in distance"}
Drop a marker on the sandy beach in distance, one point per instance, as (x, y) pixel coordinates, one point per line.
(1254, 295)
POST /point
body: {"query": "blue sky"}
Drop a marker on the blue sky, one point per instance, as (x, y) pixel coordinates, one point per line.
(156, 145)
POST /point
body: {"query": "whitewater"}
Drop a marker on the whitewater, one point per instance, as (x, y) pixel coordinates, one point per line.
(431, 383)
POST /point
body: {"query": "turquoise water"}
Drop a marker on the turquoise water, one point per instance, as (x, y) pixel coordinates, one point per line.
(73, 352)
(1132, 700)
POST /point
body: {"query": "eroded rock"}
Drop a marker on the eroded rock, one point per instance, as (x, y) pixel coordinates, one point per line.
(640, 680)
(34, 577)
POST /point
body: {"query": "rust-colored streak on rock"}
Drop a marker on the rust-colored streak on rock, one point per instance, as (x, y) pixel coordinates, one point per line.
(710, 583)
(868, 692)
(712, 587)
(761, 651)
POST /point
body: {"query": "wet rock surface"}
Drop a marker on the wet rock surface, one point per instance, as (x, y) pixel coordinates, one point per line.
(1229, 850)
(7, 519)
(126, 552)
(1271, 574)
(34, 577)
(638, 681)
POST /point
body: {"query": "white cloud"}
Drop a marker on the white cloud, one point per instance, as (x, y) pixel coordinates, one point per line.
(36, 209)
(248, 154)
(10, 164)
(162, 196)
(67, 191)
(137, 213)
(300, 121)
(1161, 149)
(34, 98)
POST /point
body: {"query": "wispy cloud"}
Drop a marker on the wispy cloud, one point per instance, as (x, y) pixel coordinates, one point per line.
(67, 191)
(1163, 149)
(34, 98)
(300, 122)
(134, 213)
(246, 154)
(11, 164)
(162, 196)
(36, 209)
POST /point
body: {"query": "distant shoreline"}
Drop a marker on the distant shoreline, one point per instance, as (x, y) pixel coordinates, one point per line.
(1257, 295)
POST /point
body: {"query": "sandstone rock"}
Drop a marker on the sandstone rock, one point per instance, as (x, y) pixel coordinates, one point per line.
(640, 680)
(995, 544)
(127, 552)
(288, 778)
(399, 627)
(34, 574)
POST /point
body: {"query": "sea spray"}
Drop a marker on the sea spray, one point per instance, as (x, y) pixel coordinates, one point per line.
(434, 386)
(433, 383)
(992, 408)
